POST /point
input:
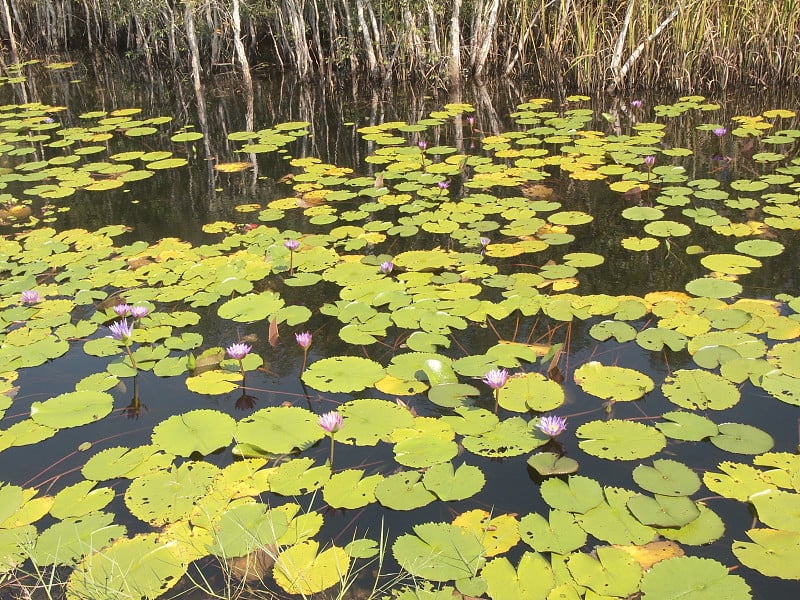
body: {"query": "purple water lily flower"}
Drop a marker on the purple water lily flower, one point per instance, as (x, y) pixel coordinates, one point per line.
(121, 330)
(238, 351)
(636, 104)
(291, 245)
(304, 339)
(387, 266)
(484, 241)
(471, 121)
(30, 297)
(496, 378)
(331, 422)
(443, 185)
(122, 310)
(720, 131)
(649, 161)
(137, 312)
(552, 425)
(422, 145)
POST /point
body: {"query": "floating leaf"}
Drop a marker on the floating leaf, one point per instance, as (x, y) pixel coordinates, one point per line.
(143, 567)
(612, 383)
(72, 409)
(300, 569)
(667, 477)
(449, 484)
(692, 578)
(403, 491)
(202, 431)
(619, 440)
(695, 389)
(577, 494)
(532, 579)
(497, 535)
(742, 439)
(550, 463)
(772, 552)
(560, 533)
(279, 430)
(343, 374)
(350, 489)
(439, 552)
(613, 572)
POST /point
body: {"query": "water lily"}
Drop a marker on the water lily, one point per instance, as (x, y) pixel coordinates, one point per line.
(422, 145)
(471, 121)
(443, 185)
(496, 379)
(552, 425)
(137, 312)
(386, 267)
(30, 297)
(649, 161)
(484, 241)
(238, 351)
(121, 331)
(122, 310)
(720, 131)
(304, 340)
(636, 104)
(331, 422)
(291, 246)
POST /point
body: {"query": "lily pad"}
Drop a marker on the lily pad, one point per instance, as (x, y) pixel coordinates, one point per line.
(343, 374)
(619, 440)
(692, 578)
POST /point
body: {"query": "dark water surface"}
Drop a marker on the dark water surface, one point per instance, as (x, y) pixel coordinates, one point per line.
(177, 203)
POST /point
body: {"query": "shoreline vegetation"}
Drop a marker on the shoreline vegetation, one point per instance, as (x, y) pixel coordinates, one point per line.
(682, 45)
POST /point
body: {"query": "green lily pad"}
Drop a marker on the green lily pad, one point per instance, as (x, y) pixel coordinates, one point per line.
(403, 491)
(371, 420)
(663, 511)
(533, 578)
(531, 391)
(772, 552)
(692, 578)
(612, 521)
(578, 494)
(612, 383)
(343, 374)
(280, 430)
(449, 484)
(710, 287)
(613, 572)
(667, 477)
(511, 437)
(560, 533)
(350, 489)
(244, 528)
(202, 431)
(144, 566)
(424, 451)
(69, 540)
(72, 409)
(550, 463)
(693, 389)
(742, 439)
(302, 569)
(619, 440)
(439, 552)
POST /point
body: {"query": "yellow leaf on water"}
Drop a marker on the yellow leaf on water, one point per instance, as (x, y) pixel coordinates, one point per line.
(652, 552)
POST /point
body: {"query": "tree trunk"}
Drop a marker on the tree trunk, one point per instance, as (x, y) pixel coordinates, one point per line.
(454, 64)
(372, 60)
(191, 37)
(12, 39)
(482, 38)
(241, 56)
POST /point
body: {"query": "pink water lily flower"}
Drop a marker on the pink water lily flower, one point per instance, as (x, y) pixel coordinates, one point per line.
(331, 422)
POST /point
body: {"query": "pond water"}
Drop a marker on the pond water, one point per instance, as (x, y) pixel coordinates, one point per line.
(654, 305)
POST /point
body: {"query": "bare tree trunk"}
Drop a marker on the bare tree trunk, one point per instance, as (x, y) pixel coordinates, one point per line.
(434, 51)
(12, 39)
(454, 65)
(191, 37)
(372, 60)
(241, 56)
(293, 11)
(483, 36)
(351, 38)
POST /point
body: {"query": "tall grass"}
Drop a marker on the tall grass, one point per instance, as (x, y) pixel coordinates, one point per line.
(708, 44)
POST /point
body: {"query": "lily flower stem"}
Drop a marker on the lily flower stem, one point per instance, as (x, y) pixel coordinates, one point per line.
(305, 355)
(130, 355)
(331, 451)
(496, 399)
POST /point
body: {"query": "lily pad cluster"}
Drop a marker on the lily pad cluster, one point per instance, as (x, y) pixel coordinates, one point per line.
(434, 247)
